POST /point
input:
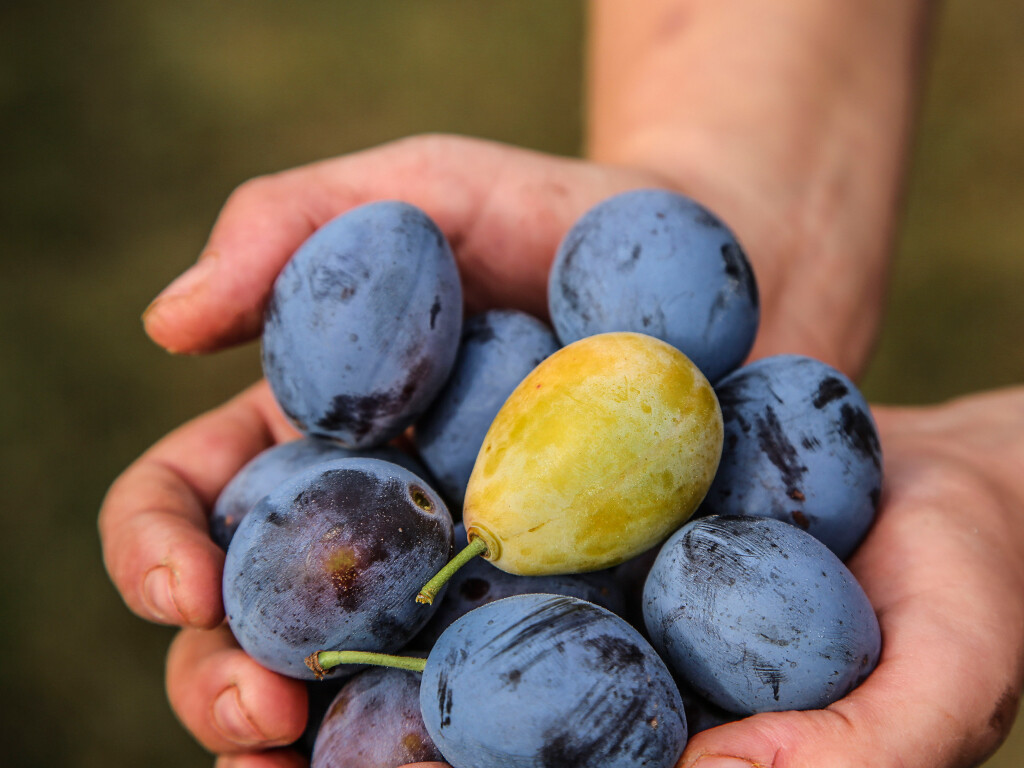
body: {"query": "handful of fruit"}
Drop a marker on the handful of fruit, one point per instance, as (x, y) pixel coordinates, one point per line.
(571, 465)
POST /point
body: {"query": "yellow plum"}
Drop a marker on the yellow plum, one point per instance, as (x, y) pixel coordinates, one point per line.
(601, 452)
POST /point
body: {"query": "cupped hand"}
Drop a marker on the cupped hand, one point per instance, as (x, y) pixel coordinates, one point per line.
(504, 211)
(943, 567)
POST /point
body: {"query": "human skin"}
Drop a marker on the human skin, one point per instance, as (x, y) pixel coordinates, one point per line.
(792, 124)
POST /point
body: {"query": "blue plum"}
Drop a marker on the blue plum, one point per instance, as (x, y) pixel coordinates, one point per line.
(498, 349)
(375, 722)
(333, 557)
(800, 446)
(756, 616)
(478, 582)
(363, 324)
(275, 465)
(656, 262)
(536, 681)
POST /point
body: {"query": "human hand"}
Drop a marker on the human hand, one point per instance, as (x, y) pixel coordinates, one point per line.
(944, 570)
(504, 211)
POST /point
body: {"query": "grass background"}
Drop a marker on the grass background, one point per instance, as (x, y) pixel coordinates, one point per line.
(124, 126)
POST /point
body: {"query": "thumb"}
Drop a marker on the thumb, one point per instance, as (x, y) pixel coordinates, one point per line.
(503, 210)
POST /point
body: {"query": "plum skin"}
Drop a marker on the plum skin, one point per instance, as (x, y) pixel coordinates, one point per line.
(800, 446)
(656, 262)
(362, 325)
(535, 681)
(758, 616)
(332, 558)
(375, 722)
(601, 452)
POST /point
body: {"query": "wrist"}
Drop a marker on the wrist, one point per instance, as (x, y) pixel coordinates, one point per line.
(796, 134)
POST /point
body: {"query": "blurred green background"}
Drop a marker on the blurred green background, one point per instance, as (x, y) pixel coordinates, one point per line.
(124, 126)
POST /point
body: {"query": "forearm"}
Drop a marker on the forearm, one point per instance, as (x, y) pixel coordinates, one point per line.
(791, 120)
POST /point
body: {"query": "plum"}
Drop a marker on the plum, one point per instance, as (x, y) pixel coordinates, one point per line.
(363, 324)
(756, 615)
(333, 557)
(275, 465)
(537, 681)
(375, 722)
(498, 349)
(656, 262)
(800, 446)
(600, 453)
(585, 688)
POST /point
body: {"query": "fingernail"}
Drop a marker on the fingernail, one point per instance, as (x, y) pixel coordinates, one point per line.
(721, 761)
(158, 594)
(187, 282)
(231, 720)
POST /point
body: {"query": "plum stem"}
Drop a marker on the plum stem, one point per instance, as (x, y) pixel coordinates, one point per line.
(432, 587)
(321, 662)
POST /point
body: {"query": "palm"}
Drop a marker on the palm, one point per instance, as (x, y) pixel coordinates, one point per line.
(942, 570)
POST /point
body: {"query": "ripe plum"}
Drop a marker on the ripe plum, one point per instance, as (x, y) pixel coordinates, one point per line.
(333, 558)
(757, 615)
(362, 327)
(800, 446)
(656, 262)
(534, 681)
(375, 722)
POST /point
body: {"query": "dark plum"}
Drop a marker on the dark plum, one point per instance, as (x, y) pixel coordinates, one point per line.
(333, 557)
(656, 262)
(756, 615)
(375, 722)
(363, 324)
(275, 465)
(478, 583)
(498, 349)
(536, 681)
(800, 446)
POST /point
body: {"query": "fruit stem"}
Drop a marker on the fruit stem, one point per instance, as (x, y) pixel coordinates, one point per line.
(321, 662)
(432, 587)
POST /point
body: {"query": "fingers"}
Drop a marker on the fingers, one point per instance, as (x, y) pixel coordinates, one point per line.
(228, 701)
(503, 209)
(154, 524)
(235, 707)
(946, 688)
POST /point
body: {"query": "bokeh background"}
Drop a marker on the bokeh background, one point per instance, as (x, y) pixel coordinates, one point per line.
(124, 124)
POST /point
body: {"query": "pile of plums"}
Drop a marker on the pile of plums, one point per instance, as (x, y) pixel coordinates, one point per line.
(665, 527)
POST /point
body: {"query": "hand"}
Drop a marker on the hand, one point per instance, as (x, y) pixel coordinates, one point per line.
(943, 567)
(504, 211)
(154, 526)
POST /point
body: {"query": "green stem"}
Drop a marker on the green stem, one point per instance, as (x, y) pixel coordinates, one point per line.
(432, 587)
(322, 662)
